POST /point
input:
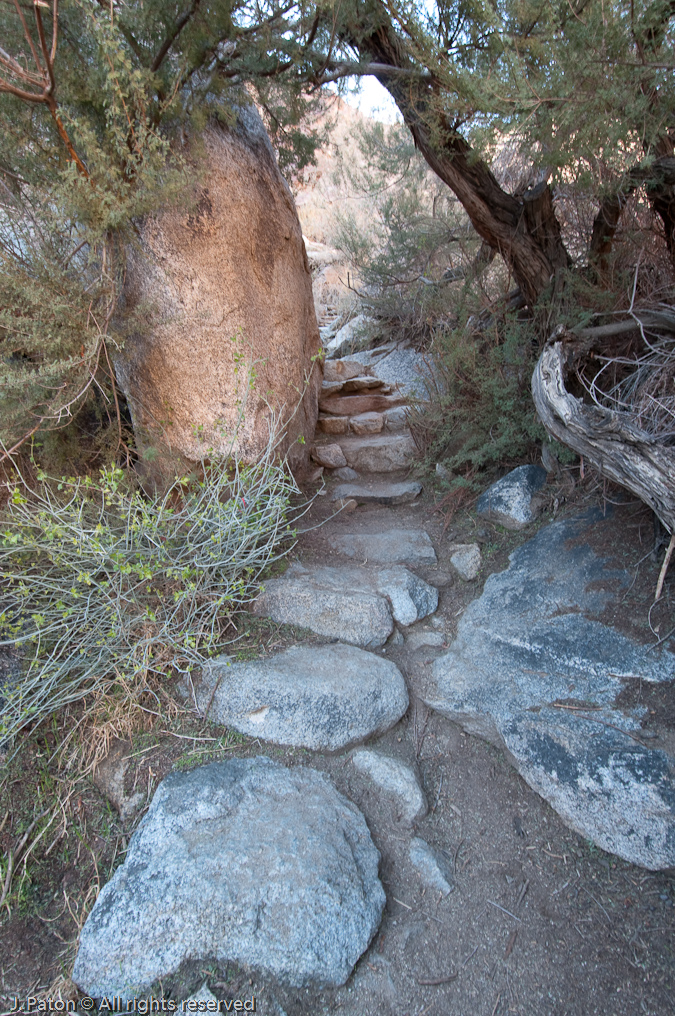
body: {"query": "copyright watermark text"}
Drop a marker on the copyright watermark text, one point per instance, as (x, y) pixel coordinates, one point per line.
(143, 1005)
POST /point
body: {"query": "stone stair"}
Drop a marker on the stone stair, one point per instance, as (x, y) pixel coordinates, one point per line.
(362, 422)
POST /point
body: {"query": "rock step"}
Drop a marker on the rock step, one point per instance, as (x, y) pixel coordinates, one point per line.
(364, 423)
(319, 697)
(353, 405)
(372, 453)
(396, 546)
(378, 492)
(355, 605)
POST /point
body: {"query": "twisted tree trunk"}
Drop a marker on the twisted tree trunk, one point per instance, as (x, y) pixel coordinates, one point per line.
(616, 446)
(523, 229)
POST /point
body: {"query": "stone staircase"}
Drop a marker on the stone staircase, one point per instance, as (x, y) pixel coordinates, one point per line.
(362, 432)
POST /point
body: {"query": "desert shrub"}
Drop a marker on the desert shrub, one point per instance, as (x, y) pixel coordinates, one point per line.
(406, 239)
(101, 583)
(480, 412)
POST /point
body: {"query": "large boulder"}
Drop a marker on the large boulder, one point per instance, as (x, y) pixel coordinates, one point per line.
(221, 296)
(242, 861)
(530, 671)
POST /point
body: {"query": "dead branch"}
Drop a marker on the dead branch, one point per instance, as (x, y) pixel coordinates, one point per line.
(609, 438)
(41, 87)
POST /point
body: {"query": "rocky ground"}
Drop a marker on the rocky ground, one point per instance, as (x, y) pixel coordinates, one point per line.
(481, 700)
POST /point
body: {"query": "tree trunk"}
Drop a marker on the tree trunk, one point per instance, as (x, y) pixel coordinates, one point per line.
(619, 449)
(523, 230)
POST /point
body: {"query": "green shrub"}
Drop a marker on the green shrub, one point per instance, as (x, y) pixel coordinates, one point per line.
(480, 412)
(101, 583)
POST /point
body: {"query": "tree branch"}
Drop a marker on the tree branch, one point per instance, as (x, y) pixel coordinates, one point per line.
(169, 41)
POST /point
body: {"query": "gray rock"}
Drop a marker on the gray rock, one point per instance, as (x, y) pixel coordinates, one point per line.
(396, 638)
(356, 334)
(434, 867)
(381, 453)
(509, 500)
(353, 604)
(526, 645)
(329, 455)
(361, 617)
(396, 779)
(379, 493)
(367, 423)
(396, 546)
(411, 597)
(346, 504)
(396, 419)
(109, 778)
(602, 782)
(403, 367)
(418, 639)
(318, 697)
(345, 472)
(241, 861)
(467, 560)
(331, 387)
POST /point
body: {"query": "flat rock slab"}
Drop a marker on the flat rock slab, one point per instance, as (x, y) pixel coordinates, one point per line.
(509, 501)
(396, 779)
(343, 370)
(367, 423)
(318, 697)
(378, 493)
(524, 650)
(356, 605)
(242, 861)
(379, 453)
(396, 546)
(600, 781)
(352, 405)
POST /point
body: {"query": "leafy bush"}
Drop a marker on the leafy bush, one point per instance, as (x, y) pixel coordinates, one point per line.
(101, 583)
(481, 411)
(407, 239)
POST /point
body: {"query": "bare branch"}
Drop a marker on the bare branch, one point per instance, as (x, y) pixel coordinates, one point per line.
(169, 41)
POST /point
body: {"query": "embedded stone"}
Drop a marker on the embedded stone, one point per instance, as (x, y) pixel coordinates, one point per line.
(396, 779)
(318, 697)
(509, 501)
(329, 455)
(366, 423)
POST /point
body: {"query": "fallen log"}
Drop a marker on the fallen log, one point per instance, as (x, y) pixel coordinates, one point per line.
(608, 438)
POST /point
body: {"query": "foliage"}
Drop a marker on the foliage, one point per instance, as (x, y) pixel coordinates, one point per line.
(102, 585)
(414, 240)
(481, 412)
(585, 87)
